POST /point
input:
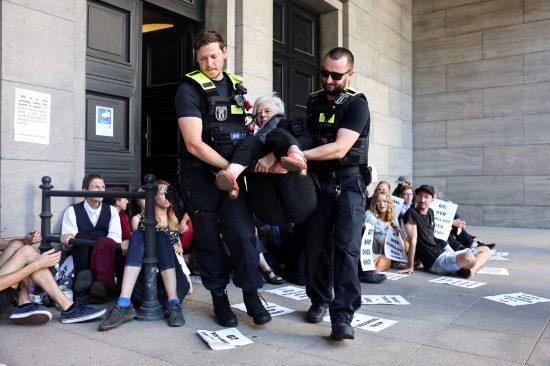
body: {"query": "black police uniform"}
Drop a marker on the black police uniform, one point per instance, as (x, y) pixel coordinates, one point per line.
(333, 233)
(211, 210)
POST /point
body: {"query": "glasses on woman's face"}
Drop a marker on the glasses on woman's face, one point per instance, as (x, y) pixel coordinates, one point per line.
(334, 75)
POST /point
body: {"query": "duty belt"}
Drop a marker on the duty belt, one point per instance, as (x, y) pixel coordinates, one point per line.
(338, 173)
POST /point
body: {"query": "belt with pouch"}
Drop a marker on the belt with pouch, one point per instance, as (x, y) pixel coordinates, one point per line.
(338, 173)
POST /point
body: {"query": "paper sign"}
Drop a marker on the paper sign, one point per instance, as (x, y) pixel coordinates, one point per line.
(383, 300)
(66, 270)
(458, 282)
(517, 299)
(499, 256)
(397, 206)
(292, 292)
(273, 309)
(394, 276)
(366, 257)
(394, 248)
(31, 121)
(183, 265)
(444, 214)
(104, 121)
(370, 323)
(493, 271)
(224, 339)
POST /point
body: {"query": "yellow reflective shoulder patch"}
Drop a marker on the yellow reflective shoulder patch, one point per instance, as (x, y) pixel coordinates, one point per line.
(235, 109)
(323, 118)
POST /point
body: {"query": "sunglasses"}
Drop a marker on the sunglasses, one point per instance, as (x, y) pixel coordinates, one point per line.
(334, 75)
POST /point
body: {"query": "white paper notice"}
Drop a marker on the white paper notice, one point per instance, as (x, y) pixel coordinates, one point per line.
(397, 206)
(104, 121)
(458, 282)
(31, 122)
(292, 292)
(444, 214)
(493, 271)
(517, 299)
(196, 279)
(273, 309)
(393, 246)
(370, 323)
(394, 276)
(383, 300)
(224, 339)
(366, 257)
(499, 256)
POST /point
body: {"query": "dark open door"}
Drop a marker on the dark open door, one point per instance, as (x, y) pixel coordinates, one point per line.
(295, 54)
(167, 57)
(113, 90)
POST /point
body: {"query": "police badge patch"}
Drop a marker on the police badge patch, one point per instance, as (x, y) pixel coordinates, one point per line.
(221, 112)
(341, 98)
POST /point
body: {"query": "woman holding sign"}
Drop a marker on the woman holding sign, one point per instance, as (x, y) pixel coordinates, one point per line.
(381, 216)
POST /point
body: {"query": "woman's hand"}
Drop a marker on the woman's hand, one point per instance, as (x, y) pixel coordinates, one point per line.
(183, 228)
(124, 246)
(263, 165)
(178, 249)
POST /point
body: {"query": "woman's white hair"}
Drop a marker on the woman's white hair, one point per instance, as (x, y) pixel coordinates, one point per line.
(273, 99)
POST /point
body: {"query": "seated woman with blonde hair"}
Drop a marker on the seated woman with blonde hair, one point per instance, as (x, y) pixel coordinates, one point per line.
(381, 215)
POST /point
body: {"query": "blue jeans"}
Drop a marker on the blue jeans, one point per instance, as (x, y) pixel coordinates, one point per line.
(136, 251)
(446, 262)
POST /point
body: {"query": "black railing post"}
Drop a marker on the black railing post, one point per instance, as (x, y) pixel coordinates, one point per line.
(45, 215)
(151, 309)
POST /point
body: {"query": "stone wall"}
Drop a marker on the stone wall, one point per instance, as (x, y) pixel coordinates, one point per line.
(379, 34)
(482, 107)
(43, 49)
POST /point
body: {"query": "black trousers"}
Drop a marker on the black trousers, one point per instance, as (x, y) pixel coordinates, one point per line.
(333, 240)
(212, 213)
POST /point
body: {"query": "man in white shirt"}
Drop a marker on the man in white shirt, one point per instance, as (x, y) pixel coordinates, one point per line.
(89, 220)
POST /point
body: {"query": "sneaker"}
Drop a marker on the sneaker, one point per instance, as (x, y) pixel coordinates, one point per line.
(222, 310)
(82, 283)
(316, 313)
(30, 314)
(342, 329)
(255, 308)
(175, 315)
(371, 277)
(116, 316)
(81, 313)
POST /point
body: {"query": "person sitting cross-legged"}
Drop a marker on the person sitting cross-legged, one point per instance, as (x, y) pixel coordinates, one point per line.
(419, 225)
(21, 262)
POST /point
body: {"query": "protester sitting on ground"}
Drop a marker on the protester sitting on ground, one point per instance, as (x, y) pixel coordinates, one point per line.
(268, 138)
(92, 220)
(407, 193)
(172, 283)
(140, 205)
(20, 262)
(381, 216)
(382, 186)
(263, 241)
(401, 181)
(121, 205)
(419, 224)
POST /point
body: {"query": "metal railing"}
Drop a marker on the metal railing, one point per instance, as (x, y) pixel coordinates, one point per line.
(150, 309)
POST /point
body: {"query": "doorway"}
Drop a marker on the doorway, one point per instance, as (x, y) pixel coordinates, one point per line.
(167, 55)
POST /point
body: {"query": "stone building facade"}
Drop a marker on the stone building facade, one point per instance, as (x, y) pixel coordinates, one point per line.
(481, 110)
(456, 90)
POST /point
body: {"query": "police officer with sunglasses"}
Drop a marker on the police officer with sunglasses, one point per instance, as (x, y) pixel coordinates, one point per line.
(338, 119)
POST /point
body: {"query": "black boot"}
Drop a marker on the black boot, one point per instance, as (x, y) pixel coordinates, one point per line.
(371, 277)
(316, 313)
(222, 309)
(341, 328)
(255, 308)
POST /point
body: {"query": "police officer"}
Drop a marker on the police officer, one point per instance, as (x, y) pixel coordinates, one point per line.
(338, 119)
(209, 106)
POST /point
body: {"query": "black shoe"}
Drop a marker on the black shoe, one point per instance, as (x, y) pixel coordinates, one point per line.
(316, 313)
(255, 308)
(342, 329)
(175, 315)
(490, 246)
(117, 316)
(371, 277)
(222, 310)
(98, 293)
(82, 283)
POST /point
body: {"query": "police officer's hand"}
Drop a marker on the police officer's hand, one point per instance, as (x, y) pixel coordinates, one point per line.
(265, 163)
